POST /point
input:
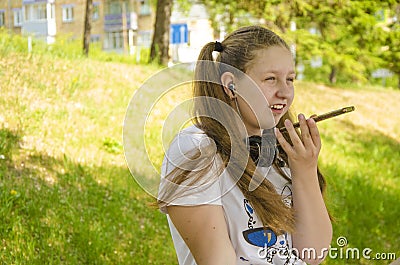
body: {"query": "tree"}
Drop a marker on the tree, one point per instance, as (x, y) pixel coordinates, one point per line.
(160, 44)
(349, 37)
(392, 54)
(88, 26)
(346, 34)
(275, 14)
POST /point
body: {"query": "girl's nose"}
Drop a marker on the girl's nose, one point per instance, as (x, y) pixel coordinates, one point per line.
(283, 89)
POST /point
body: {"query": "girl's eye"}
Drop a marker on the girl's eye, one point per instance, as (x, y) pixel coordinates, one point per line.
(290, 79)
(270, 78)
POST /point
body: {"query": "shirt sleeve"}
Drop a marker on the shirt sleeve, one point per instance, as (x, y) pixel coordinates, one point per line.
(202, 186)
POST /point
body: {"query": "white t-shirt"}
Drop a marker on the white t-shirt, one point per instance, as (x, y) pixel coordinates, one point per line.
(245, 229)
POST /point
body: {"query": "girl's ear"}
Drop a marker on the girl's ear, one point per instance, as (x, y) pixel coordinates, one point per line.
(226, 80)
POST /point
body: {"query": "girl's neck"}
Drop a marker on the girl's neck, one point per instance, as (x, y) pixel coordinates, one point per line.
(253, 131)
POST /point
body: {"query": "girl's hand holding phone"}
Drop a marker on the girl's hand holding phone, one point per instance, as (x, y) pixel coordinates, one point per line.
(303, 154)
(305, 150)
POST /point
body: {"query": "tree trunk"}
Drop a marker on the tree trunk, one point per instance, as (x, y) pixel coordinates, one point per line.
(332, 75)
(88, 26)
(160, 44)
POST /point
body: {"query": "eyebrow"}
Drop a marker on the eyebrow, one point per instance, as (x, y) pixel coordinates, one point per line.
(277, 72)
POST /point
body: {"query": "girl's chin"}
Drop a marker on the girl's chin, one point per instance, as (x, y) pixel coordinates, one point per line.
(277, 118)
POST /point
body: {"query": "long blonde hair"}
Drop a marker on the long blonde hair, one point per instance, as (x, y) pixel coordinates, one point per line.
(238, 51)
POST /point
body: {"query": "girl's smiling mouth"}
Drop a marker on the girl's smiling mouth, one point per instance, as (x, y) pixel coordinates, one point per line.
(277, 108)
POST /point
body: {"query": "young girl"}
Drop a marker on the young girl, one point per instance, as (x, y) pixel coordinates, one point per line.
(216, 215)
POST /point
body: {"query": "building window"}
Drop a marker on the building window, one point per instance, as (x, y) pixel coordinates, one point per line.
(2, 22)
(114, 8)
(96, 11)
(114, 40)
(17, 17)
(144, 7)
(144, 38)
(68, 13)
(35, 12)
(94, 38)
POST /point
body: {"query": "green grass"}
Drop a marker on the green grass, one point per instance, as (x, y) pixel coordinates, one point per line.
(67, 196)
(65, 47)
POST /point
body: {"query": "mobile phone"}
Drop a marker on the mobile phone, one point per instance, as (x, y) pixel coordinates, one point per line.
(324, 116)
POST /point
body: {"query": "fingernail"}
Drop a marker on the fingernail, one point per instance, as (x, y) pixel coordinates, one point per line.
(301, 116)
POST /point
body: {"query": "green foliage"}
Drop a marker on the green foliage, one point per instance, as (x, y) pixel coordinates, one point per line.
(392, 53)
(348, 35)
(65, 47)
(112, 145)
(11, 42)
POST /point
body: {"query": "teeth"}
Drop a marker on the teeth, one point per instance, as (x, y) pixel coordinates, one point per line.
(277, 106)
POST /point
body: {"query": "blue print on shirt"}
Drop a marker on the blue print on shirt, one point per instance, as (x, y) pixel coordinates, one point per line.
(260, 237)
(265, 239)
(250, 212)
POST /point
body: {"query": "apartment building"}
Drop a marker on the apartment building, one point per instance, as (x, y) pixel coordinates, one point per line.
(47, 19)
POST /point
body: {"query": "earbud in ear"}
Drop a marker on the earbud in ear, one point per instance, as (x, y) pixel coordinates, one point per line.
(231, 87)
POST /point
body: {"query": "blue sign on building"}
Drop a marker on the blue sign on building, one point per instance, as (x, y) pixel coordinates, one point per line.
(179, 34)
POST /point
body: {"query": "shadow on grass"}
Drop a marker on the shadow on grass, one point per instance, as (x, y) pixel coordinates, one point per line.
(364, 191)
(9, 141)
(59, 211)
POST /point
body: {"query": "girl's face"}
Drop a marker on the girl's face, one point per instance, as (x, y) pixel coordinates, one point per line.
(272, 71)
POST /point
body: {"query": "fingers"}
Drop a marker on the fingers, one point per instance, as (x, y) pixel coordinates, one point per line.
(304, 151)
(309, 136)
(305, 133)
(314, 133)
(287, 147)
(297, 142)
(282, 141)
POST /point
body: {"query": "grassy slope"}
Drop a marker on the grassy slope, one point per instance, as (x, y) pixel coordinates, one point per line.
(66, 194)
(67, 197)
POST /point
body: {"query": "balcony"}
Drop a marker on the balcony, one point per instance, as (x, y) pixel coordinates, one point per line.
(39, 18)
(37, 27)
(113, 22)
